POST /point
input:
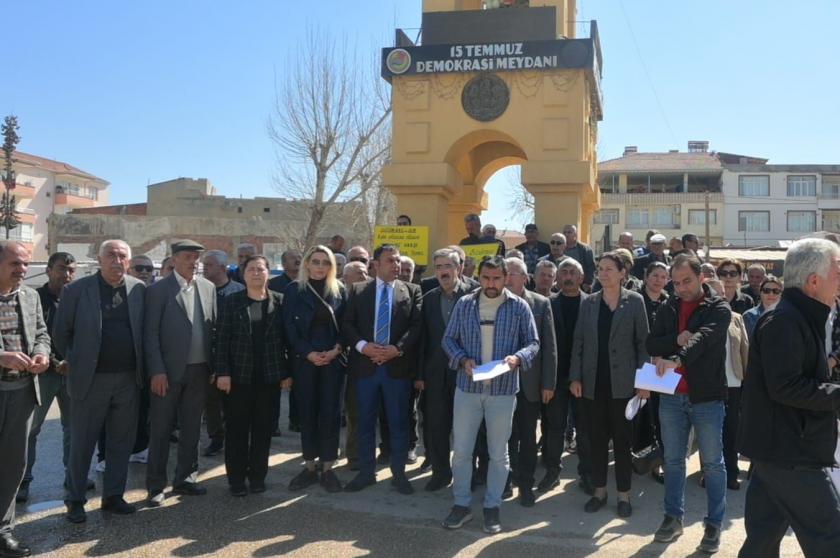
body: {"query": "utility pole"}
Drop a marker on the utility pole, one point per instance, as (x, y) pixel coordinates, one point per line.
(708, 215)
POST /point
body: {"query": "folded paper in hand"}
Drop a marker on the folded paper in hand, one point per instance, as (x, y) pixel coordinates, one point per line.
(489, 370)
(646, 378)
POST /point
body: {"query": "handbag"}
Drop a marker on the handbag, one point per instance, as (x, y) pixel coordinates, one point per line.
(647, 459)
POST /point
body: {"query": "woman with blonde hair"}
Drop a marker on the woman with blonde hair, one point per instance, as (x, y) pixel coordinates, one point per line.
(313, 311)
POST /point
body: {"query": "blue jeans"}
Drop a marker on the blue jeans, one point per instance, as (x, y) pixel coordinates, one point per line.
(677, 415)
(497, 412)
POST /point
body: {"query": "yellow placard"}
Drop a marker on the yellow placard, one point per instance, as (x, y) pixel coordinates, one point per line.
(479, 251)
(412, 241)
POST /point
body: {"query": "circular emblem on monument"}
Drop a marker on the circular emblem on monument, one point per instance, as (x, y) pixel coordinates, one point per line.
(398, 61)
(485, 97)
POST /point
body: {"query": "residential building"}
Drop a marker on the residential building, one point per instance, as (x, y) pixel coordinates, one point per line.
(668, 192)
(45, 186)
(768, 204)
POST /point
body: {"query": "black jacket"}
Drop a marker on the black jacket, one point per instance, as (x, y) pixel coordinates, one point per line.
(561, 328)
(788, 410)
(703, 357)
(642, 262)
(741, 303)
(298, 312)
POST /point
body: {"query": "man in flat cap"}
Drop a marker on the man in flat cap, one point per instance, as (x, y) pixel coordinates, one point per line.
(180, 311)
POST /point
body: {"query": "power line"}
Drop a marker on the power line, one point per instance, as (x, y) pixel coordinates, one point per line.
(647, 74)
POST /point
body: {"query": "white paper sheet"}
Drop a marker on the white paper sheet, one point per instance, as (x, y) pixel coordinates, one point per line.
(489, 370)
(646, 378)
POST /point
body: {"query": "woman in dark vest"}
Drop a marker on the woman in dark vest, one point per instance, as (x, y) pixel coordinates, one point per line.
(314, 308)
(250, 364)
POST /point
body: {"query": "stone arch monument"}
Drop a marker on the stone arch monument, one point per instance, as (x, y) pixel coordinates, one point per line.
(488, 88)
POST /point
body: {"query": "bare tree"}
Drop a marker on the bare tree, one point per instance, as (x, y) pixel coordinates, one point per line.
(330, 128)
(522, 201)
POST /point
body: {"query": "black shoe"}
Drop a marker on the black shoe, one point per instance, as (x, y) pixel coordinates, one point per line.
(22, 493)
(360, 482)
(411, 458)
(658, 475)
(492, 525)
(304, 479)
(155, 498)
(213, 448)
(585, 484)
(118, 505)
(436, 483)
(189, 489)
(458, 516)
(550, 481)
(527, 498)
(711, 540)
(733, 484)
(624, 508)
(330, 481)
(11, 547)
(594, 504)
(76, 512)
(426, 465)
(238, 490)
(670, 529)
(384, 457)
(402, 484)
(257, 487)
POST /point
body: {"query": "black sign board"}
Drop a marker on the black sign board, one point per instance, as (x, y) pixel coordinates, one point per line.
(488, 57)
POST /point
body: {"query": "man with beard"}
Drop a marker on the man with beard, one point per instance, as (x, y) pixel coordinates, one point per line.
(489, 325)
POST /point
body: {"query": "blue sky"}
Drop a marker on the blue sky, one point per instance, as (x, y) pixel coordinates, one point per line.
(147, 91)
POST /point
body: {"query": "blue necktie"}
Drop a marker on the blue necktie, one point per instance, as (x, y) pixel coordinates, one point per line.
(383, 317)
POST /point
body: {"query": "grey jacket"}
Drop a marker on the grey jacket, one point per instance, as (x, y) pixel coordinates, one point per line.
(628, 334)
(168, 329)
(77, 329)
(542, 373)
(35, 335)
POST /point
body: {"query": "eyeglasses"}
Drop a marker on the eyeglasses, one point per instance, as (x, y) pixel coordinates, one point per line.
(768, 290)
(557, 243)
(732, 273)
(142, 268)
(320, 262)
(359, 259)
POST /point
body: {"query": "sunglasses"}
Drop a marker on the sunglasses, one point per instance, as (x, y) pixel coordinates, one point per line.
(142, 268)
(733, 273)
(768, 290)
(359, 259)
(557, 243)
(319, 262)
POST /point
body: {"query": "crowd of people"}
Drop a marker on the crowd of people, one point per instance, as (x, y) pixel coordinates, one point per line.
(471, 362)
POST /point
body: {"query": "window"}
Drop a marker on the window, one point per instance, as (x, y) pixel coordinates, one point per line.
(637, 218)
(753, 185)
(606, 217)
(22, 233)
(830, 190)
(664, 217)
(698, 216)
(753, 221)
(801, 221)
(798, 186)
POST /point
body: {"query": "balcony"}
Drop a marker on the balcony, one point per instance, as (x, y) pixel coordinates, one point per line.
(23, 191)
(73, 201)
(653, 199)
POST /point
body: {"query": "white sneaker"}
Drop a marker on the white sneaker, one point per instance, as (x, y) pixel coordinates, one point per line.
(100, 466)
(139, 457)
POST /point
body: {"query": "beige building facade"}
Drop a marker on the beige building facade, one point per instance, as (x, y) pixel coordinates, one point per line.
(45, 187)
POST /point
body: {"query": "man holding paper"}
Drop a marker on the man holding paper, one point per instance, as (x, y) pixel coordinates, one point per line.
(689, 335)
(486, 326)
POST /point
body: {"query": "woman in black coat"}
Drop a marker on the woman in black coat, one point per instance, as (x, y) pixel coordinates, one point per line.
(250, 363)
(314, 309)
